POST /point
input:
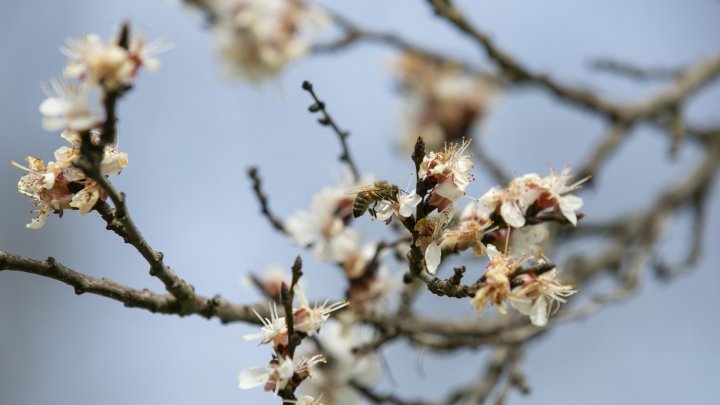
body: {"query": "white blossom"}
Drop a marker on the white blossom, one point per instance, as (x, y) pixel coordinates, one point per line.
(496, 284)
(449, 170)
(67, 107)
(308, 319)
(540, 296)
(403, 208)
(324, 226)
(273, 329)
(256, 39)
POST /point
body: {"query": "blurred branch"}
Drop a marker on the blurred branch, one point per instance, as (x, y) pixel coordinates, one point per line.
(354, 34)
(327, 120)
(263, 199)
(632, 71)
(688, 81)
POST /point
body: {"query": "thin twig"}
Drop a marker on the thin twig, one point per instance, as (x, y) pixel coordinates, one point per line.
(262, 198)
(327, 120)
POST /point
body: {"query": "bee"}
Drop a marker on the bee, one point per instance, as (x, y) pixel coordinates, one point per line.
(368, 197)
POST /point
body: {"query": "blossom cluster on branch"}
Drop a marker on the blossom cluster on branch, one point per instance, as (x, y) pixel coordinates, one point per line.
(256, 39)
(96, 75)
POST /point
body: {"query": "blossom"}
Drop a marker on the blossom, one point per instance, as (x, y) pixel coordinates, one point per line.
(333, 379)
(46, 186)
(308, 319)
(256, 39)
(474, 223)
(402, 208)
(109, 65)
(555, 190)
(512, 202)
(444, 101)
(279, 374)
(90, 60)
(274, 329)
(539, 295)
(270, 282)
(324, 226)
(430, 238)
(66, 107)
(449, 171)
(60, 185)
(496, 284)
(542, 193)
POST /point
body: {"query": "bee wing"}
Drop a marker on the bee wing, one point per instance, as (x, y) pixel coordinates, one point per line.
(359, 189)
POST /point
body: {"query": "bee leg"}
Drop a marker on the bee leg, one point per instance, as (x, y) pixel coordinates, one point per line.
(372, 210)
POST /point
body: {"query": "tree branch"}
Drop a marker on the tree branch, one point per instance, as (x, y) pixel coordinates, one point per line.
(327, 120)
(216, 307)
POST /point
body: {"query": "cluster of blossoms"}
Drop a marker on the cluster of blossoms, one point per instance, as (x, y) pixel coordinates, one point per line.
(326, 230)
(535, 294)
(256, 39)
(286, 370)
(96, 69)
(59, 185)
(444, 102)
(513, 217)
(532, 194)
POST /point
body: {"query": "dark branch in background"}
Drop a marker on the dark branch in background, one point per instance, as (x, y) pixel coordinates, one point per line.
(263, 199)
(355, 34)
(632, 71)
(374, 397)
(687, 83)
(491, 166)
(327, 120)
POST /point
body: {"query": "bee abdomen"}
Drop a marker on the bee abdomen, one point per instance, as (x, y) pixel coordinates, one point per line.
(361, 204)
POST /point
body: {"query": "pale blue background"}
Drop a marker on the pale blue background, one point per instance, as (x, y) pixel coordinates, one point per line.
(191, 135)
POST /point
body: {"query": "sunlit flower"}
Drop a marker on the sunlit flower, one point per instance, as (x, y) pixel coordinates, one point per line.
(66, 107)
(449, 170)
(540, 296)
(46, 187)
(308, 319)
(430, 238)
(403, 208)
(61, 185)
(279, 374)
(273, 330)
(555, 189)
(496, 284)
(90, 60)
(109, 65)
(474, 223)
(85, 199)
(512, 202)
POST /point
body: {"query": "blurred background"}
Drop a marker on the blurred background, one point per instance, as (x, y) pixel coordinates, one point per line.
(190, 136)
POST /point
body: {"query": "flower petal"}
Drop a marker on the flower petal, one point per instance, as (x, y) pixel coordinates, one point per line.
(433, 254)
(253, 377)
